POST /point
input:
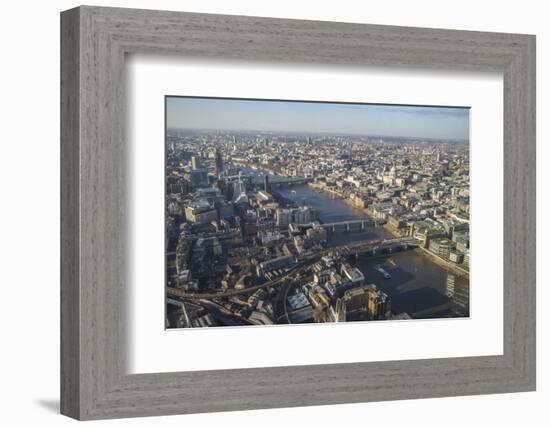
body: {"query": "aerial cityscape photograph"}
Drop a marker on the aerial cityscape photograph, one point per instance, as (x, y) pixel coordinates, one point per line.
(294, 212)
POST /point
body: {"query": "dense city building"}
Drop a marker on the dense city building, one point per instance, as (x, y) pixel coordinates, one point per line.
(242, 251)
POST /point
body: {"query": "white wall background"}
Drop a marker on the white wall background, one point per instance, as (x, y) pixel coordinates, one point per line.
(29, 213)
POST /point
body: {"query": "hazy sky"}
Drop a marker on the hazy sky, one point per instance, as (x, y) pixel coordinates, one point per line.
(384, 120)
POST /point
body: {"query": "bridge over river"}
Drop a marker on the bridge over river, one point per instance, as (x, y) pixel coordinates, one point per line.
(374, 247)
(348, 226)
(364, 248)
(287, 182)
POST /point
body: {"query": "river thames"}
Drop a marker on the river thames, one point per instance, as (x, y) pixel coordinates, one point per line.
(417, 285)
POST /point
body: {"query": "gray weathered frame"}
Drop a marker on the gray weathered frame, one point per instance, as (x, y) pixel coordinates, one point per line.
(94, 42)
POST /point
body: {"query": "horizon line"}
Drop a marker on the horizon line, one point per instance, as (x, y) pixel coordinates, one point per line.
(291, 132)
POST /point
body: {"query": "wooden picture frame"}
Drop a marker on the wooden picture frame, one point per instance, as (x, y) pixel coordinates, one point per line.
(94, 41)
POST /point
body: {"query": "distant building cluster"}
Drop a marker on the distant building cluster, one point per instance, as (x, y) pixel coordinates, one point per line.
(419, 191)
(239, 253)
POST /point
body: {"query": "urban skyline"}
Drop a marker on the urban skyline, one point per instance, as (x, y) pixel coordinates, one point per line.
(273, 227)
(432, 122)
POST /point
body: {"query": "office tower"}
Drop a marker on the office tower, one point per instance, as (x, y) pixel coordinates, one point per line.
(356, 300)
(195, 163)
(266, 184)
(379, 305)
(219, 161)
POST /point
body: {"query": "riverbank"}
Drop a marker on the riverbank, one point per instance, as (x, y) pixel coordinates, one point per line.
(455, 268)
(417, 282)
(393, 232)
(324, 189)
(338, 195)
(259, 168)
(350, 202)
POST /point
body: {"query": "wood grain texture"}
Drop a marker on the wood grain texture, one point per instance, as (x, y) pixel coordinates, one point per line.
(70, 291)
(95, 383)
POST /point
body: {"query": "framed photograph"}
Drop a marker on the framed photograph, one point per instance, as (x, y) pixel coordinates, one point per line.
(297, 212)
(262, 213)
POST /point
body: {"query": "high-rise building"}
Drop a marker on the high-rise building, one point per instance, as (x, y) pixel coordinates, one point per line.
(219, 161)
(379, 305)
(266, 183)
(356, 300)
(195, 163)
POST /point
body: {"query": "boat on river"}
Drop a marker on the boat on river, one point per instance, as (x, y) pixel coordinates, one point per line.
(382, 272)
